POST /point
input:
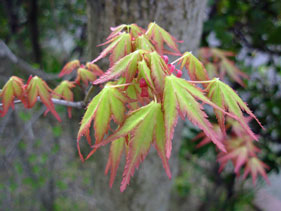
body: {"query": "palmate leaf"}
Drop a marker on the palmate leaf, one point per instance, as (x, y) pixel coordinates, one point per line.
(226, 98)
(195, 68)
(119, 47)
(180, 98)
(69, 67)
(218, 61)
(108, 103)
(37, 87)
(160, 36)
(144, 126)
(63, 90)
(127, 66)
(14, 87)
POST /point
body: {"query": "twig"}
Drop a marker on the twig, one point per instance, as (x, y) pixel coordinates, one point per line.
(79, 104)
(5, 52)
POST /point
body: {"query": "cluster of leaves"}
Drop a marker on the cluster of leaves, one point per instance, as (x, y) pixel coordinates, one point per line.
(241, 150)
(218, 64)
(36, 89)
(142, 97)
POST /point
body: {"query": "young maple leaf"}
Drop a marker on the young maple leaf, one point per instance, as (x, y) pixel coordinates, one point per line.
(144, 72)
(127, 66)
(145, 126)
(222, 64)
(224, 96)
(119, 47)
(14, 87)
(180, 97)
(37, 87)
(194, 67)
(142, 42)
(159, 70)
(63, 90)
(88, 74)
(255, 166)
(133, 29)
(159, 36)
(108, 103)
(116, 151)
(69, 67)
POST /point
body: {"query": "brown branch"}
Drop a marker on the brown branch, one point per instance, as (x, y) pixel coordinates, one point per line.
(6, 53)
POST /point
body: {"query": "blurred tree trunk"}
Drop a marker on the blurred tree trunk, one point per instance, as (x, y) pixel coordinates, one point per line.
(150, 188)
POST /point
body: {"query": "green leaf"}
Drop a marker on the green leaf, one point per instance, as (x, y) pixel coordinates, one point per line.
(160, 36)
(195, 68)
(63, 90)
(143, 43)
(143, 125)
(116, 151)
(126, 66)
(119, 47)
(108, 103)
(37, 87)
(180, 98)
(226, 98)
(159, 70)
(14, 87)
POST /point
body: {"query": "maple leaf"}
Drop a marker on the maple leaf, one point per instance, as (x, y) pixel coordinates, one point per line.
(14, 87)
(195, 68)
(142, 42)
(69, 67)
(159, 36)
(224, 96)
(133, 29)
(85, 76)
(159, 70)
(126, 66)
(37, 87)
(143, 125)
(116, 151)
(180, 98)
(108, 103)
(255, 166)
(119, 47)
(63, 90)
(222, 64)
(144, 72)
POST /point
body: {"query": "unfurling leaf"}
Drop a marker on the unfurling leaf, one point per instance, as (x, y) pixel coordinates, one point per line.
(224, 96)
(69, 67)
(194, 67)
(36, 87)
(180, 98)
(127, 66)
(120, 46)
(13, 88)
(159, 36)
(63, 91)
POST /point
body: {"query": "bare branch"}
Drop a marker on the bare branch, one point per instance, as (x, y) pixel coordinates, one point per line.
(6, 53)
(79, 104)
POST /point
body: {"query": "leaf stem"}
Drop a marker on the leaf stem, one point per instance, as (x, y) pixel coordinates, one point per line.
(119, 85)
(88, 95)
(203, 82)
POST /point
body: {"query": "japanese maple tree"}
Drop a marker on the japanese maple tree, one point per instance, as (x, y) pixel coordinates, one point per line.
(142, 95)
